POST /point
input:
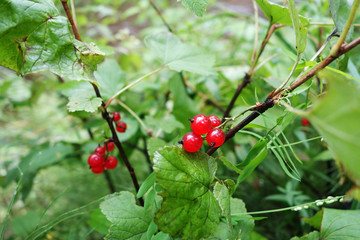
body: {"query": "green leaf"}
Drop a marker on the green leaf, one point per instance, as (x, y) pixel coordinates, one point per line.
(198, 7)
(300, 29)
(146, 185)
(311, 236)
(153, 144)
(254, 151)
(221, 194)
(179, 56)
(189, 209)
(129, 221)
(340, 224)
(151, 230)
(229, 164)
(48, 157)
(110, 77)
(184, 106)
(278, 14)
(25, 224)
(335, 116)
(40, 40)
(84, 101)
(315, 221)
(243, 223)
(90, 54)
(340, 10)
(98, 221)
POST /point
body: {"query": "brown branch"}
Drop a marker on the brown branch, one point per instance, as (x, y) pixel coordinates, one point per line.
(71, 20)
(269, 102)
(247, 78)
(105, 113)
(108, 118)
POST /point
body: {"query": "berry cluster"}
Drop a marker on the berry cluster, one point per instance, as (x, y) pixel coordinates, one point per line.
(120, 126)
(100, 160)
(202, 124)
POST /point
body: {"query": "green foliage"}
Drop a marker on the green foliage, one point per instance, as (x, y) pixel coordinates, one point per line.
(300, 29)
(340, 10)
(129, 221)
(84, 101)
(189, 208)
(41, 40)
(311, 236)
(333, 116)
(278, 14)
(198, 7)
(340, 224)
(179, 56)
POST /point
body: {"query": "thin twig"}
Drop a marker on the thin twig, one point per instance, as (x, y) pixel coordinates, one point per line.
(270, 100)
(72, 5)
(133, 84)
(161, 16)
(105, 113)
(117, 142)
(71, 20)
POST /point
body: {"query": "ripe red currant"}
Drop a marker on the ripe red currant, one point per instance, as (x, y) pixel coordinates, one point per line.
(200, 124)
(121, 127)
(305, 122)
(215, 121)
(95, 160)
(116, 116)
(111, 162)
(191, 142)
(216, 137)
(100, 150)
(109, 146)
(98, 169)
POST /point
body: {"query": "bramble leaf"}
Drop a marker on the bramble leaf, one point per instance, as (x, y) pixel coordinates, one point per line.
(189, 208)
(179, 56)
(83, 101)
(198, 7)
(34, 37)
(129, 221)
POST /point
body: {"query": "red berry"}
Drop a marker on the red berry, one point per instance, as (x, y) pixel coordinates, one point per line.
(200, 124)
(98, 169)
(192, 142)
(95, 160)
(121, 127)
(305, 122)
(215, 121)
(111, 162)
(216, 137)
(109, 146)
(116, 116)
(100, 150)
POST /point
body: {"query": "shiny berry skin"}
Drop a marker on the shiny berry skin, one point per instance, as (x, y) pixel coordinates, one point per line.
(215, 121)
(121, 127)
(116, 116)
(111, 162)
(100, 150)
(216, 137)
(305, 122)
(192, 142)
(98, 169)
(95, 160)
(109, 146)
(200, 124)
